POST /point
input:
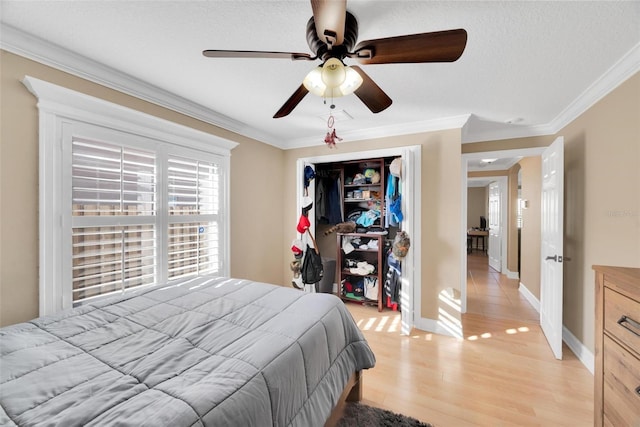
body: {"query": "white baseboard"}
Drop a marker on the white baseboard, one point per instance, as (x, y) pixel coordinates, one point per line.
(512, 274)
(526, 293)
(582, 353)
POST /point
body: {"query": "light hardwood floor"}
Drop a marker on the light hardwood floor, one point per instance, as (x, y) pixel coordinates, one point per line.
(501, 374)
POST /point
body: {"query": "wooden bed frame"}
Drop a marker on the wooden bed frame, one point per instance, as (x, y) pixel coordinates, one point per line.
(351, 393)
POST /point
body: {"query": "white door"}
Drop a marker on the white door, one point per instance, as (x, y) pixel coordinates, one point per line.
(495, 229)
(410, 176)
(551, 245)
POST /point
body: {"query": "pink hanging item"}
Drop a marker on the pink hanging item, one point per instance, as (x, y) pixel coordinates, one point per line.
(331, 137)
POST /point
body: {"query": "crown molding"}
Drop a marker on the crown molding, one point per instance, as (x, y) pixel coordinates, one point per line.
(20, 43)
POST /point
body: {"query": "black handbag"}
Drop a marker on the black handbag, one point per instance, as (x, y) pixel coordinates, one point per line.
(312, 270)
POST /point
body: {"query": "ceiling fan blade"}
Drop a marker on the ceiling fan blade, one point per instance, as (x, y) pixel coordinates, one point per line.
(329, 16)
(370, 93)
(213, 53)
(292, 102)
(439, 46)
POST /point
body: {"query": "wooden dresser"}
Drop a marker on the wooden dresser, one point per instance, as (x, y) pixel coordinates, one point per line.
(617, 370)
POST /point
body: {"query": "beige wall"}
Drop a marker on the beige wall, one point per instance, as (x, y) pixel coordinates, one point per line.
(440, 188)
(18, 188)
(485, 174)
(256, 188)
(505, 144)
(602, 199)
(476, 205)
(530, 168)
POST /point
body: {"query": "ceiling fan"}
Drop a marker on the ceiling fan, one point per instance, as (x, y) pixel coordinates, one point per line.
(331, 34)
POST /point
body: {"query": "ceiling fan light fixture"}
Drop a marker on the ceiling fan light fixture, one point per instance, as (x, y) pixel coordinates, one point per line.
(332, 80)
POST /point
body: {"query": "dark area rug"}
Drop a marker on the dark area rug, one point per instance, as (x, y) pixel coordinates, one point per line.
(359, 415)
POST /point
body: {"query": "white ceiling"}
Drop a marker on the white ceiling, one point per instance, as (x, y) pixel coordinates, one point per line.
(529, 66)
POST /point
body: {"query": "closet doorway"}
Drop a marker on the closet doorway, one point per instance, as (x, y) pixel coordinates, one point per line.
(411, 268)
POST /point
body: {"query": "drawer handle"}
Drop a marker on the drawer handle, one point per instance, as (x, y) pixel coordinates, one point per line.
(630, 325)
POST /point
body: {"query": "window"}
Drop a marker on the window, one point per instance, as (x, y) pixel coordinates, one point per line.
(126, 200)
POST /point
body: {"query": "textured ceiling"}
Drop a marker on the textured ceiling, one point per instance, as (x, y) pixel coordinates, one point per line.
(525, 65)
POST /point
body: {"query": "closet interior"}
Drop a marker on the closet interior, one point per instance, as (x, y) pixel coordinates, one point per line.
(357, 214)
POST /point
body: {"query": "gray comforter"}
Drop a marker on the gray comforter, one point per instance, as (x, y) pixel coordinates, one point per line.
(205, 351)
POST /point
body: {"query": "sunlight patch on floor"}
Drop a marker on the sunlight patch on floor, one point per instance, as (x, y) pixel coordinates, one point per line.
(508, 331)
(449, 312)
(427, 337)
(394, 324)
(385, 323)
(381, 323)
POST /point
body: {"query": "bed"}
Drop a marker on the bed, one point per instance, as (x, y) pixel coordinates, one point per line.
(198, 352)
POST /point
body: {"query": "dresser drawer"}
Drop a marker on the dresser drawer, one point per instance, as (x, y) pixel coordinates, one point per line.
(622, 318)
(621, 385)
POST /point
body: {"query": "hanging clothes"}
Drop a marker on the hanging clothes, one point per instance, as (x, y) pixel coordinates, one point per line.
(391, 188)
(392, 281)
(334, 208)
(321, 198)
(393, 201)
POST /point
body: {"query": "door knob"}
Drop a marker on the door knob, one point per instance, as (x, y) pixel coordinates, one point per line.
(555, 258)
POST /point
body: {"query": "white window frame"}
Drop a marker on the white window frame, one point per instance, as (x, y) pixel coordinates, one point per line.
(62, 109)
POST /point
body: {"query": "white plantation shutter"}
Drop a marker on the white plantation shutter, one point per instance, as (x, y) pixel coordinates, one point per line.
(113, 218)
(193, 189)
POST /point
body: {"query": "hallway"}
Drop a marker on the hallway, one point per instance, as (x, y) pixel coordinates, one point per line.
(494, 295)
